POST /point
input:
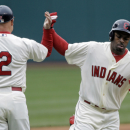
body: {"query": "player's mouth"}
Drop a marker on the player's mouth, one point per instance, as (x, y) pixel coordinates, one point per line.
(120, 46)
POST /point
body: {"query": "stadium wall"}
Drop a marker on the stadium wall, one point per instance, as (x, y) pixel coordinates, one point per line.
(78, 20)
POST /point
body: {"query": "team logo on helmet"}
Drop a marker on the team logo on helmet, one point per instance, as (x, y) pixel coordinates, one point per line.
(126, 26)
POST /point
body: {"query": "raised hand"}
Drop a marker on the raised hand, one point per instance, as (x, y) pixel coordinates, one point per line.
(48, 21)
(53, 17)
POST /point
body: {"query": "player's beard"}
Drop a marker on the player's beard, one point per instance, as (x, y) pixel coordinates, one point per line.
(118, 49)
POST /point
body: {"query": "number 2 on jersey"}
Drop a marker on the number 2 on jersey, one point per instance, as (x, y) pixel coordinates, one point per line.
(5, 63)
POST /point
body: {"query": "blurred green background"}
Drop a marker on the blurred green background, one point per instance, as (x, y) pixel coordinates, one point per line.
(52, 94)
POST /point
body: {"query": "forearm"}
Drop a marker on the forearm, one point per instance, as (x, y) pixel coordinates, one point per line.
(47, 40)
(59, 43)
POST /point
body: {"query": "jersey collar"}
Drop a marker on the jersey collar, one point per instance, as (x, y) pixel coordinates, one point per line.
(126, 50)
(6, 32)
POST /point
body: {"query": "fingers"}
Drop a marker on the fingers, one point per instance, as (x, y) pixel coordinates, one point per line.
(47, 14)
(50, 19)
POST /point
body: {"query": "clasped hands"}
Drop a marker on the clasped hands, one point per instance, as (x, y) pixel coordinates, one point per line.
(50, 20)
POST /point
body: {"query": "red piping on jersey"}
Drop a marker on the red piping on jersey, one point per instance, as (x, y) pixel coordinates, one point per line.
(6, 32)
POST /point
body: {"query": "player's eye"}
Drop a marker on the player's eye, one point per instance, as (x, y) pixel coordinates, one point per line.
(118, 36)
(126, 39)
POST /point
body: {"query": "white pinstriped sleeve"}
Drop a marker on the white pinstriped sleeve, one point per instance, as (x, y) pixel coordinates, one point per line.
(77, 52)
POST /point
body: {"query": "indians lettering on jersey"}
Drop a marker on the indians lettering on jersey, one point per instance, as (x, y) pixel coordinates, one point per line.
(114, 77)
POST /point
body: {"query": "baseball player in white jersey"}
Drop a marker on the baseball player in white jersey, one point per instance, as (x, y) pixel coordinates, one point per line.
(104, 77)
(14, 53)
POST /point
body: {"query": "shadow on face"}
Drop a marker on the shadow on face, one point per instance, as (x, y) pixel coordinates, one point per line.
(120, 42)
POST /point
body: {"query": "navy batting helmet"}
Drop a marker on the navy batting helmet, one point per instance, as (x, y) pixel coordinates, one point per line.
(119, 25)
(6, 14)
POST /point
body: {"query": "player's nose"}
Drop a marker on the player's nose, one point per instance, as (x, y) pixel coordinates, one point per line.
(121, 40)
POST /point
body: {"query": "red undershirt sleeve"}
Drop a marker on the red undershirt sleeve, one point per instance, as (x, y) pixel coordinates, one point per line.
(59, 43)
(47, 40)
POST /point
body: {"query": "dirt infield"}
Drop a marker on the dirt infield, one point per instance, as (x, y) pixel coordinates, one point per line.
(122, 127)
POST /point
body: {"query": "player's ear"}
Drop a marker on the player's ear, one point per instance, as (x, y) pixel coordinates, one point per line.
(12, 22)
(111, 36)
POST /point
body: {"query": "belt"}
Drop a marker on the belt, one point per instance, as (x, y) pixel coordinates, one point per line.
(16, 89)
(93, 104)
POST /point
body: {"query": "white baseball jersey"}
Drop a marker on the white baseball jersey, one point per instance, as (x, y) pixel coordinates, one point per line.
(14, 53)
(104, 82)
